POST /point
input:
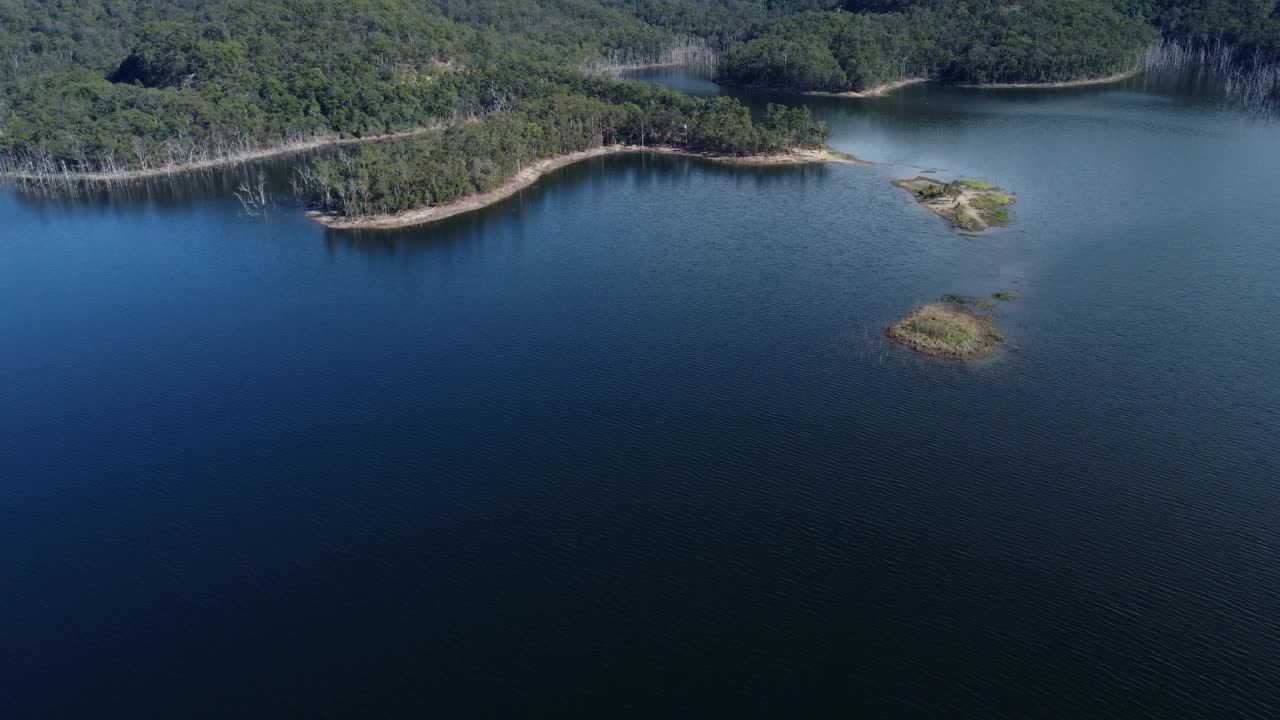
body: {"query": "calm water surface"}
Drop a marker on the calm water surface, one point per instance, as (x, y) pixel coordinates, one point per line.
(632, 444)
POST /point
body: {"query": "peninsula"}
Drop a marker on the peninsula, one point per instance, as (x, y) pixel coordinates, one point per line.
(468, 166)
(531, 173)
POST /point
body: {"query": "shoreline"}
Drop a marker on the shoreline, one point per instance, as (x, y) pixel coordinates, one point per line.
(1084, 82)
(873, 92)
(890, 87)
(633, 67)
(318, 143)
(530, 174)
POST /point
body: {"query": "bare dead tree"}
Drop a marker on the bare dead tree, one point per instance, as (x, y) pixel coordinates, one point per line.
(254, 199)
(1251, 80)
(687, 51)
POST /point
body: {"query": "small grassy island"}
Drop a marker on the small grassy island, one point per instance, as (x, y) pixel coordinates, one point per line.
(968, 204)
(947, 330)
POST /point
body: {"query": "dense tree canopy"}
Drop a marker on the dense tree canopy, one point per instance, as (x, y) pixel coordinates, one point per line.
(469, 158)
(966, 41)
(119, 84)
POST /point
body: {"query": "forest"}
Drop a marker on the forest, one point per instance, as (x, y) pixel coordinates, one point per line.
(865, 43)
(118, 85)
(979, 41)
(476, 157)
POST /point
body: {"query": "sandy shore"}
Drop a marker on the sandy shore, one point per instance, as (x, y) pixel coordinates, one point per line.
(873, 92)
(1064, 84)
(530, 174)
(791, 157)
(889, 87)
(609, 70)
(877, 91)
(225, 161)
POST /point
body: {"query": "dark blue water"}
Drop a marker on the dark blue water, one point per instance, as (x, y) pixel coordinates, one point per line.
(632, 444)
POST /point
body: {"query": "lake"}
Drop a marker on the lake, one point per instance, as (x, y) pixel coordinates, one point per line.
(633, 444)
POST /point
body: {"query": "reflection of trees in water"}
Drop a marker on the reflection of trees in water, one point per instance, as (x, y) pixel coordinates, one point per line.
(1250, 79)
(266, 178)
(458, 236)
(271, 181)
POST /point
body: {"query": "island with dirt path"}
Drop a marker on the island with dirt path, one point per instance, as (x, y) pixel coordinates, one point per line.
(968, 204)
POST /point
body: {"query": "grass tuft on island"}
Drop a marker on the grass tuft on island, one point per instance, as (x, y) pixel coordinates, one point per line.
(980, 302)
(971, 205)
(946, 330)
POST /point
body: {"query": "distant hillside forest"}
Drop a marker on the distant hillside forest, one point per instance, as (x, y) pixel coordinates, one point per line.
(865, 43)
(983, 41)
(116, 85)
